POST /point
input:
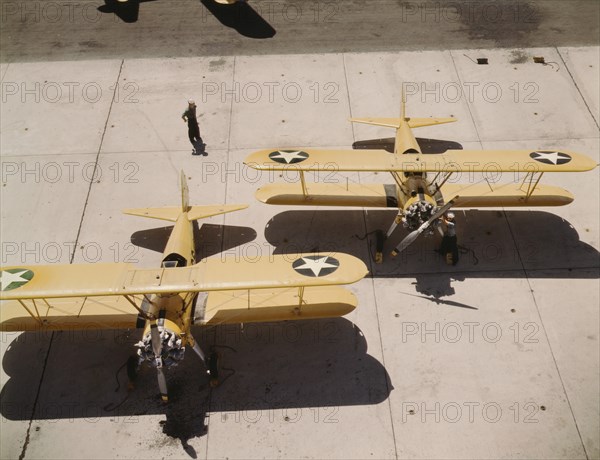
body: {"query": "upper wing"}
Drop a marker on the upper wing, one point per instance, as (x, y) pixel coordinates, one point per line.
(321, 160)
(212, 274)
(449, 161)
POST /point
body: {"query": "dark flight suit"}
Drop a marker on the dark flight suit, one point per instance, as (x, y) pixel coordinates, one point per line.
(449, 242)
(193, 128)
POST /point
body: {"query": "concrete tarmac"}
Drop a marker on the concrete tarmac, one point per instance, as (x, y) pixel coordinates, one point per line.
(496, 357)
(88, 29)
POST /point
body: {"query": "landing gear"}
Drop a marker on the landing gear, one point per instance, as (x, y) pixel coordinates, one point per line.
(133, 366)
(213, 369)
(379, 242)
(212, 366)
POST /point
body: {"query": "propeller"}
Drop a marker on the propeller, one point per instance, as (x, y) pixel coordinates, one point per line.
(412, 236)
(397, 220)
(157, 350)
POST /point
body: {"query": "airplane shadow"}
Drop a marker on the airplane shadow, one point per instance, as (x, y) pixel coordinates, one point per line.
(241, 17)
(266, 370)
(210, 239)
(128, 11)
(518, 244)
(426, 145)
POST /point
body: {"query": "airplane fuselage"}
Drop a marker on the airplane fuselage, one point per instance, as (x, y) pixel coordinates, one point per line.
(174, 310)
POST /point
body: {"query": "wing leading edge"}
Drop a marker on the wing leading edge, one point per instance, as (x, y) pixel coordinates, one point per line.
(449, 161)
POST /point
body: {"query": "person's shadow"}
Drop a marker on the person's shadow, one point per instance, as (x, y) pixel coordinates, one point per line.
(200, 149)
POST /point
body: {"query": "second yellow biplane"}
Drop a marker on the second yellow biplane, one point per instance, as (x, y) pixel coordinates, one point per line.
(164, 302)
(421, 190)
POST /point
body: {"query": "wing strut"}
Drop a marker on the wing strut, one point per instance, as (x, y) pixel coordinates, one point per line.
(304, 189)
(38, 317)
(301, 297)
(141, 312)
(532, 179)
(444, 177)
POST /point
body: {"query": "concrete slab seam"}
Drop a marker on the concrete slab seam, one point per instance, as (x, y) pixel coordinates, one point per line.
(35, 401)
(467, 101)
(533, 298)
(577, 86)
(96, 162)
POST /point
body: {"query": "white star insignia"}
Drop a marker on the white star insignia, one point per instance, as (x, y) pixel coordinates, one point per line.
(316, 264)
(289, 157)
(554, 158)
(7, 278)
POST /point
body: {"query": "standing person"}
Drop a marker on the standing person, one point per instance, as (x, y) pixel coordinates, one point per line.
(189, 116)
(449, 248)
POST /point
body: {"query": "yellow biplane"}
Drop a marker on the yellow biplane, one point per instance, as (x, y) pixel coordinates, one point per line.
(165, 302)
(421, 190)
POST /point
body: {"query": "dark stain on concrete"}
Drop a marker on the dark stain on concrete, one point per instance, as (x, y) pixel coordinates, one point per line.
(518, 57)
(507, 23)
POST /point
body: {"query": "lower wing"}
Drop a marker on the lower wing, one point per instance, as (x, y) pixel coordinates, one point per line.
(386, 195)
(260, 305)
(105, 312)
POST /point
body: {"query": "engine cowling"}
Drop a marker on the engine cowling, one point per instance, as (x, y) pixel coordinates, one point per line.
(417, 210)
(173, 344)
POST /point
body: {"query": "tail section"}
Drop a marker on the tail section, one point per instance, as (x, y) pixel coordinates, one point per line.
(395, 122)
(405, 141)
(200, 212)
(172, 213)
(185, 193)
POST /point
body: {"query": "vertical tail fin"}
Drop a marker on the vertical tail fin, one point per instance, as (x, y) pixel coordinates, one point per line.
(185, 194)
(403, 104)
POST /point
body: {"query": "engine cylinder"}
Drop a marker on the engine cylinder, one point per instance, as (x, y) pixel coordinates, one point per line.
(417, 210)
(173, 344)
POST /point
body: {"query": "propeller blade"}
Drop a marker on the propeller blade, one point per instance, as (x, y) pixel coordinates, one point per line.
(162, 384)
(156, 340)
(199, 351)
(406, 242)
(157, 350)
(412, 236)
(397, 220)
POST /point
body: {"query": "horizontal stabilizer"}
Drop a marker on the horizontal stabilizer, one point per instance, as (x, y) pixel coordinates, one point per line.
(234, 307)
(201, 212)
(171, 213)
(395, 122)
